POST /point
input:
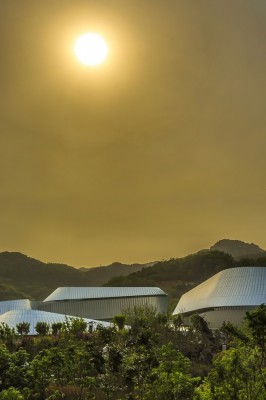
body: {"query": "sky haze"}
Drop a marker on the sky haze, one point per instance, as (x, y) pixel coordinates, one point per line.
(156, 153)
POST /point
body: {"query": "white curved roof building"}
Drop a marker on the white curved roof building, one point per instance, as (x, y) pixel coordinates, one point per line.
(9, 305)
(12, 318)
(226, 297)
(77, 293)
(94, 304)
(103, 303)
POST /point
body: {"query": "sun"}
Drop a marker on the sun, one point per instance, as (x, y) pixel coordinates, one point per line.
(91, 49)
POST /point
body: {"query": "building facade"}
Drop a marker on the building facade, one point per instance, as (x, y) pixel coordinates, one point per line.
(103, 303)
(96, 305)
(225, 297)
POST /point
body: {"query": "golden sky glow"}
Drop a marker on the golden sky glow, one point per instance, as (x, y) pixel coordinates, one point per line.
(91, 49)
(155, 153)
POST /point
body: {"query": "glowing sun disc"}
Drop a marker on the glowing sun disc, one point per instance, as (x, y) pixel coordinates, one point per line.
(91, 49)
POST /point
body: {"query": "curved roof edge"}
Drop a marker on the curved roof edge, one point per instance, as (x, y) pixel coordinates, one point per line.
(12, 318)
(77, 293)
(242, 286)
(20, 304)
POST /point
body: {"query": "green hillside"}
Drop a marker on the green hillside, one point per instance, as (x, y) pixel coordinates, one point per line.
(177, 276)
(99, 275)
(22, 276)
(25, 277)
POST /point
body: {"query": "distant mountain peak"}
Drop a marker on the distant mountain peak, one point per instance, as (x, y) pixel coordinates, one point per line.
(237, 248)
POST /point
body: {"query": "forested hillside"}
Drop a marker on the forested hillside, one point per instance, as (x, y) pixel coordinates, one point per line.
(99, 275)
(178, 275)
(25, 277)
(22, 276)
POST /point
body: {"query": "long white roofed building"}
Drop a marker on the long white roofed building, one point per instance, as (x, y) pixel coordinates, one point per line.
(225, 297)
(96, 305)
(103, 303)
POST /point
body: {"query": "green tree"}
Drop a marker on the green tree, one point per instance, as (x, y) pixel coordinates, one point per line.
(39, 376)
(16, 374)
(69, 364)
(144, 326)
(105, 334)
(7, 335)
(56, 327)
(257, 324)
(177, 322)
(42, 328)
(11, 394)
(170, 380)
(119, 321)
(23, 328)
(231, 332)
(74, 326)
(206, 342)
(136, 366)
(79, 369)
(5, 359)
(236, 375)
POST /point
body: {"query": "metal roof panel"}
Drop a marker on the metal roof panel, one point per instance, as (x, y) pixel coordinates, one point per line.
(77, 293)
(243, 286)
(12, 318)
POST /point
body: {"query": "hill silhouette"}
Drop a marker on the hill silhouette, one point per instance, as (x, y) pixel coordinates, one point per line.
(238, 249)
(33, 278)
(25, 277)
(101, 274)
(178, 275)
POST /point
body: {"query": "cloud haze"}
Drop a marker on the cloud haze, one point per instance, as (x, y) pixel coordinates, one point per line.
(157, 153)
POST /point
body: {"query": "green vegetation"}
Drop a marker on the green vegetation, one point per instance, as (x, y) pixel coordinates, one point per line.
(24, 277)
(191, 269)
(152, 358)
(30, 278)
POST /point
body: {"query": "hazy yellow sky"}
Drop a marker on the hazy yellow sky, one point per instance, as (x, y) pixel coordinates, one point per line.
(157, 153)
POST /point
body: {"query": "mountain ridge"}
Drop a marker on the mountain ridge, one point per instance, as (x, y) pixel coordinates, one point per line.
(20, 274)
(25, 277)
(237, 248)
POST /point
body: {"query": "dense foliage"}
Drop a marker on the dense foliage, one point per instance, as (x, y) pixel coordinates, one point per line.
(152, 357)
